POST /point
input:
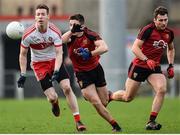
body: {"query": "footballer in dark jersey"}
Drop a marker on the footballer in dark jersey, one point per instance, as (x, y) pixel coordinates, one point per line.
(149, 46)
(85, 48)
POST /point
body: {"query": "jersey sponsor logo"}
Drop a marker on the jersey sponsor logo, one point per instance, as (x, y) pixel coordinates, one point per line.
(35, 39)
(39, 43)
(39, 40)
(41, 46)
(160, 44)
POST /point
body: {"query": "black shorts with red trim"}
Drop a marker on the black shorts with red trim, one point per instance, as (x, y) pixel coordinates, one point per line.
(140, 74)
(95, 76)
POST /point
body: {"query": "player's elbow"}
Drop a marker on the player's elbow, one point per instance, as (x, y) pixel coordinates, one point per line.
(102, 46)
(133, 49)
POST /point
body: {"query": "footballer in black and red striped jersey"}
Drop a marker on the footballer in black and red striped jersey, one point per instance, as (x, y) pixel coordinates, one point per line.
(149, 46)
(85, 48)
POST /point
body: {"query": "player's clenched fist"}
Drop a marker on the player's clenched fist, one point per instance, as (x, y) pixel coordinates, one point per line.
(151, 64)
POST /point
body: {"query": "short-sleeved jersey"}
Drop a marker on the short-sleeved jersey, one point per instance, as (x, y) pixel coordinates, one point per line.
(42, 45)
(155, 42)
(85, 41)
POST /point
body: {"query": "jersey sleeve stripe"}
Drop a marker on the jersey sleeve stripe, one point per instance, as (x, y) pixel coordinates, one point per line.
(29, 31)
(58, 45)
(24, 46)
(57, 32)
(55, 29)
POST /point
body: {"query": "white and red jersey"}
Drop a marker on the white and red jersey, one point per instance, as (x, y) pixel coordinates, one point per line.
(42, 45)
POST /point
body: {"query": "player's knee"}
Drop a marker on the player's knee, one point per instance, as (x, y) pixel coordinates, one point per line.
(66, 89)
(95, 102)
(161, 90)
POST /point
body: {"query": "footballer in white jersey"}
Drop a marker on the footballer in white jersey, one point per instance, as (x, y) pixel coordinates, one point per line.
(44, 40)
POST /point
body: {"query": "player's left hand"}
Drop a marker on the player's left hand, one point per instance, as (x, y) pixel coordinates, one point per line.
(76, 28)
(85, 53)
(55, 76)
(170, 71)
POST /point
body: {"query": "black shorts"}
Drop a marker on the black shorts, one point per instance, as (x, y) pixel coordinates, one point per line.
(140, 74)
(95, 76)
(63, 73)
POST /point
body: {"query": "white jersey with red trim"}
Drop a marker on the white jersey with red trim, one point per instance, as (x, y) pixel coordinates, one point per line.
(42, 45)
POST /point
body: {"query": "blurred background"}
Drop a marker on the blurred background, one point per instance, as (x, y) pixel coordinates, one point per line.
(117, 21)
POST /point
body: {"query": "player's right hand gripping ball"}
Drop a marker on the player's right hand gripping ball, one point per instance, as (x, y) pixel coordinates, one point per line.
(170, 71)
(76, 28)
(84, 53)
(21, 81)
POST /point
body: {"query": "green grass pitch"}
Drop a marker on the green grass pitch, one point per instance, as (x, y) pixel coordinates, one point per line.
(34, 116)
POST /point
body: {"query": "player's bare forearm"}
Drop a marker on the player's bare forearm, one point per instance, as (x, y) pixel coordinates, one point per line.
(23, 59)
(23, 63)
(58, 61)
(170, 55)
(101, 48)
(136, 49)
(66, 36)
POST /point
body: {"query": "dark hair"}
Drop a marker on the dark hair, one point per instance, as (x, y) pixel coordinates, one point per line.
(160, 11)
(43, 6)
(78, 17)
